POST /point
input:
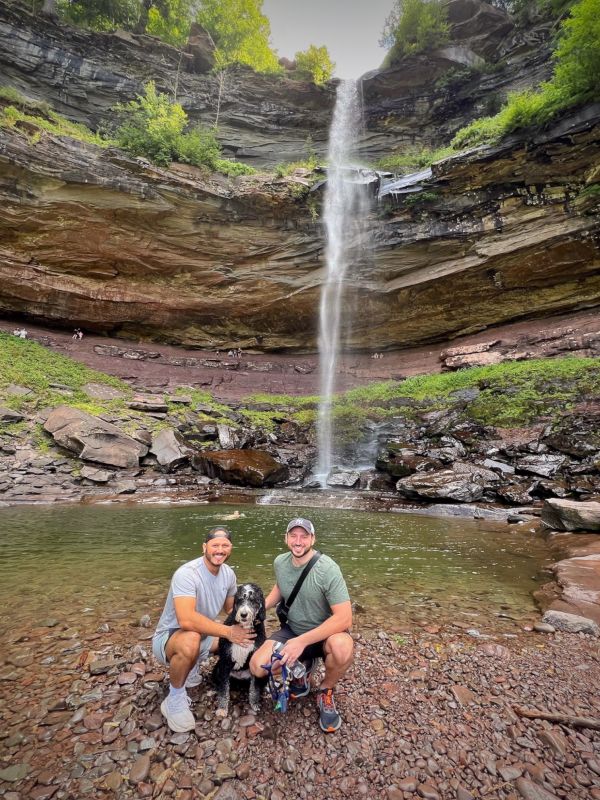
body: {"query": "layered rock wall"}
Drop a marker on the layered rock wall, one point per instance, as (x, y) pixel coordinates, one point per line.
(89, 236)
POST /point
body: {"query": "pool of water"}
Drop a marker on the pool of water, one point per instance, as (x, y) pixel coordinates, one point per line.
(401, 570)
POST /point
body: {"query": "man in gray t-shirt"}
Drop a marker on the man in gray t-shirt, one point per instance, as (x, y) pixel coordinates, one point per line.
(318, 621)
(187, 630)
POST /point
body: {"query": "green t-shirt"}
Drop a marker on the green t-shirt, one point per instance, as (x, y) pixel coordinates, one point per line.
(323, 587)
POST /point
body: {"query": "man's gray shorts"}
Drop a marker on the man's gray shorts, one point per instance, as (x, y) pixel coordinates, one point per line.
(159, 643)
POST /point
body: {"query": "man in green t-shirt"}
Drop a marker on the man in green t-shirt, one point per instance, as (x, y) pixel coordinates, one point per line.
(318, 622)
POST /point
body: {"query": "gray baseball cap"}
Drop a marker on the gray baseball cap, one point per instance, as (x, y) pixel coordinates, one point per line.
(299, 522)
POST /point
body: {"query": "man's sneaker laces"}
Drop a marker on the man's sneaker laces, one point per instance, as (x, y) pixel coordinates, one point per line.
(329, 719)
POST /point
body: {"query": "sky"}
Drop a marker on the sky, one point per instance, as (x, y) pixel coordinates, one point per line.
(349, 28)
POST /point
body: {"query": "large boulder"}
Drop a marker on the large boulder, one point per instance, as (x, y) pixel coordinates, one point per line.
(579, 581)
(569, 515)
(245, 467)
(571, 623)
(465, 483)
(347, 479)
(171, 449)
(93, 439)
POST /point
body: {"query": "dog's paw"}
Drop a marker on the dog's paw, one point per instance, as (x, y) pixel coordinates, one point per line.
(221, 712)
(255, 707)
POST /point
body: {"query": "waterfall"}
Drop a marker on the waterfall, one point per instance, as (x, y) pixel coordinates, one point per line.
(345, 208)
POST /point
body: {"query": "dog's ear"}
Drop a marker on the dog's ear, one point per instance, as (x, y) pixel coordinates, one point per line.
(262, 613)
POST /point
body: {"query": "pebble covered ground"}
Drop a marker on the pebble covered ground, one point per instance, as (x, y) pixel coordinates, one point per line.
(427, 714)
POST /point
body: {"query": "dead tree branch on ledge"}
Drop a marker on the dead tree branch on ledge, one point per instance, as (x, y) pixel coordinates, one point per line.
(564, 719)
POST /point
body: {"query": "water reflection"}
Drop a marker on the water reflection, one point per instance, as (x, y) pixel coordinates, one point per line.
(399, 568)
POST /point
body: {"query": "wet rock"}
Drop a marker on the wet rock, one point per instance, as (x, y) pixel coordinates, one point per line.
(247, 467)
(571, 623)
(345, 479)
(570, 515)
(464, 483)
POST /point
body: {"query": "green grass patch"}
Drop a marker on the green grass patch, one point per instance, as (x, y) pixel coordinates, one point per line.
(22, 112)
(511, 394)
(26, 363)
(413, 160)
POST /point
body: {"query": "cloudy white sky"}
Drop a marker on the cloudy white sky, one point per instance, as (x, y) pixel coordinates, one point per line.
(349, 28)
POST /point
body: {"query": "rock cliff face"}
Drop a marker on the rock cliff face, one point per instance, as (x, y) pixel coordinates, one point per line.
(263, 120)
(91, 237)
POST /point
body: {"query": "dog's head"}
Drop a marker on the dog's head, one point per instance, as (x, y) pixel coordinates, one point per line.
(249, 605)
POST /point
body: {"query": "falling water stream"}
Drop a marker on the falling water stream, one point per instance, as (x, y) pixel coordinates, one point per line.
(346, 207)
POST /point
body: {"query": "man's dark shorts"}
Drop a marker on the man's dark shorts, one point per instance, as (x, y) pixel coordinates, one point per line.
(285, 633)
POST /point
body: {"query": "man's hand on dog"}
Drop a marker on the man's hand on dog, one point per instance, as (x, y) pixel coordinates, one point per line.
(242, 636)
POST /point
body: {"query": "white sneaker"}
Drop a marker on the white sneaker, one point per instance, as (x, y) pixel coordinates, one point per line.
(194, 678)
(177, 711)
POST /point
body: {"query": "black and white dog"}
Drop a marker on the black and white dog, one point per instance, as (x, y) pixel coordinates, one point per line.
(248, 611)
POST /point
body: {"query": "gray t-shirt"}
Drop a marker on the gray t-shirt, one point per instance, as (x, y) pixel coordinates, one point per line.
(324, 587)
(194, 579)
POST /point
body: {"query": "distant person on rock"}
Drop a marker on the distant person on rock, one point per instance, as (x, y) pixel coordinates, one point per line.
(187, 631)
(318, 621)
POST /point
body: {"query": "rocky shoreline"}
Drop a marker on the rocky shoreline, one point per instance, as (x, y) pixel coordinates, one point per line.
(428, 714)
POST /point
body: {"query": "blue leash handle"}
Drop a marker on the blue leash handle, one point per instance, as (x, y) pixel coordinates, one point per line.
(280, 695)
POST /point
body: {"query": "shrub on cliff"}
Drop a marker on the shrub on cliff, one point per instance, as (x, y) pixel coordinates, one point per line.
(414, 26)
(154, 127)
(575, 80)
(315, 64)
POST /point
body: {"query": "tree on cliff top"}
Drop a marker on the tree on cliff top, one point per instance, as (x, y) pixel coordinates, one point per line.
(414, 26)
(241, 32)
(315, 64)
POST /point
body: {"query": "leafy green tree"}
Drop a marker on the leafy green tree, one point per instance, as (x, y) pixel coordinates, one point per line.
(154, 127)
(415, 26)
(315, 64)
(171, 20)
(100, 15)
(577, 73)
(241, 32)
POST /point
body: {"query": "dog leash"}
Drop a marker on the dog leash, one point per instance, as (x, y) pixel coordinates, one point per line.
(280, 690)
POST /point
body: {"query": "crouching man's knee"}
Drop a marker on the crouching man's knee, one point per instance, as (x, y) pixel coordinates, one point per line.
(340, 647)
